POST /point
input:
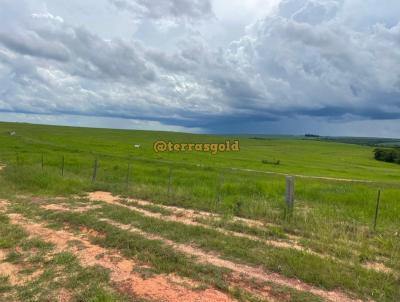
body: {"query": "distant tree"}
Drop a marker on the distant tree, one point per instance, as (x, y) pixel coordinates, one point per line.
(311, 135)
(387, 155)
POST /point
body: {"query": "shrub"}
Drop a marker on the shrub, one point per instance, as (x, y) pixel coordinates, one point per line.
(274, 162)
(388, 155)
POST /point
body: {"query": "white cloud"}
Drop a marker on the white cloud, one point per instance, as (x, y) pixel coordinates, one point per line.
(47, 15)
(173, 9)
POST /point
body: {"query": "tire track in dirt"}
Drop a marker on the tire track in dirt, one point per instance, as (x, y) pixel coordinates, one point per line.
(251, 272)
(180, 212)
(161, 287)
(110, 199)
(236, 279)
(64, 207)
(238, 269)
(186, 216)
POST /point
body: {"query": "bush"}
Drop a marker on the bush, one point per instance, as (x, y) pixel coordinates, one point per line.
(388, 155)
(274, 162)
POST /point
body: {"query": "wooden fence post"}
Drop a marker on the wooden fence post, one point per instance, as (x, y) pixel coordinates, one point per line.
(94, 170)
(169, 182)
(290, 192)
(377, 209)
(127, 175)
(62, 166)
(219, 188)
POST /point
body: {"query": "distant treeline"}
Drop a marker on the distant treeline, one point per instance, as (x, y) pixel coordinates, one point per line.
(388, 155)
(365, 141)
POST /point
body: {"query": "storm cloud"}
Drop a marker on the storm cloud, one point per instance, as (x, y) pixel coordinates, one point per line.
(326, 60)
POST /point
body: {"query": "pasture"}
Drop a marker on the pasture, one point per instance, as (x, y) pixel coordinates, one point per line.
(190, 224)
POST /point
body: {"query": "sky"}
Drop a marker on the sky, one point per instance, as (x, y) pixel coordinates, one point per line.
(328, 67)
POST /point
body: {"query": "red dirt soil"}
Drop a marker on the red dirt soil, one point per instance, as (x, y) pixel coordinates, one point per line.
(238, 269)
(159, 288)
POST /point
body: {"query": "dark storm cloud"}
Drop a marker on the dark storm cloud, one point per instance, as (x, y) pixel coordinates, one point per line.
(306, 59)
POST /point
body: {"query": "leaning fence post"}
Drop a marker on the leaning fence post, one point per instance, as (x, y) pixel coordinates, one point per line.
(290, 192)
(94, 170)
(377, 209)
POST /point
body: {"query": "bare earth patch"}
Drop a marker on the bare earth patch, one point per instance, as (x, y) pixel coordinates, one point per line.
(56, 207)
(12, 271)
(3, 205)
(63, 207)
(103, 196)
(379, 267)
(64, 296)
(159, 288)
(9, 270)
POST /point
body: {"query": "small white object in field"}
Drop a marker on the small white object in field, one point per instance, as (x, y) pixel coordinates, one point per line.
(12, 133)
(136, 146)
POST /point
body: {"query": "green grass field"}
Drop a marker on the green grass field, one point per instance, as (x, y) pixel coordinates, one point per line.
(331, 224)
(297, 156)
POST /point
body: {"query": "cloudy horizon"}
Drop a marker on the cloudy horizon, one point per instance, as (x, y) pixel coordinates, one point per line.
(329, 67)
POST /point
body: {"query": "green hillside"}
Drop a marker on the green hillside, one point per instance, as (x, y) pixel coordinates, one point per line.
(296, 155)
